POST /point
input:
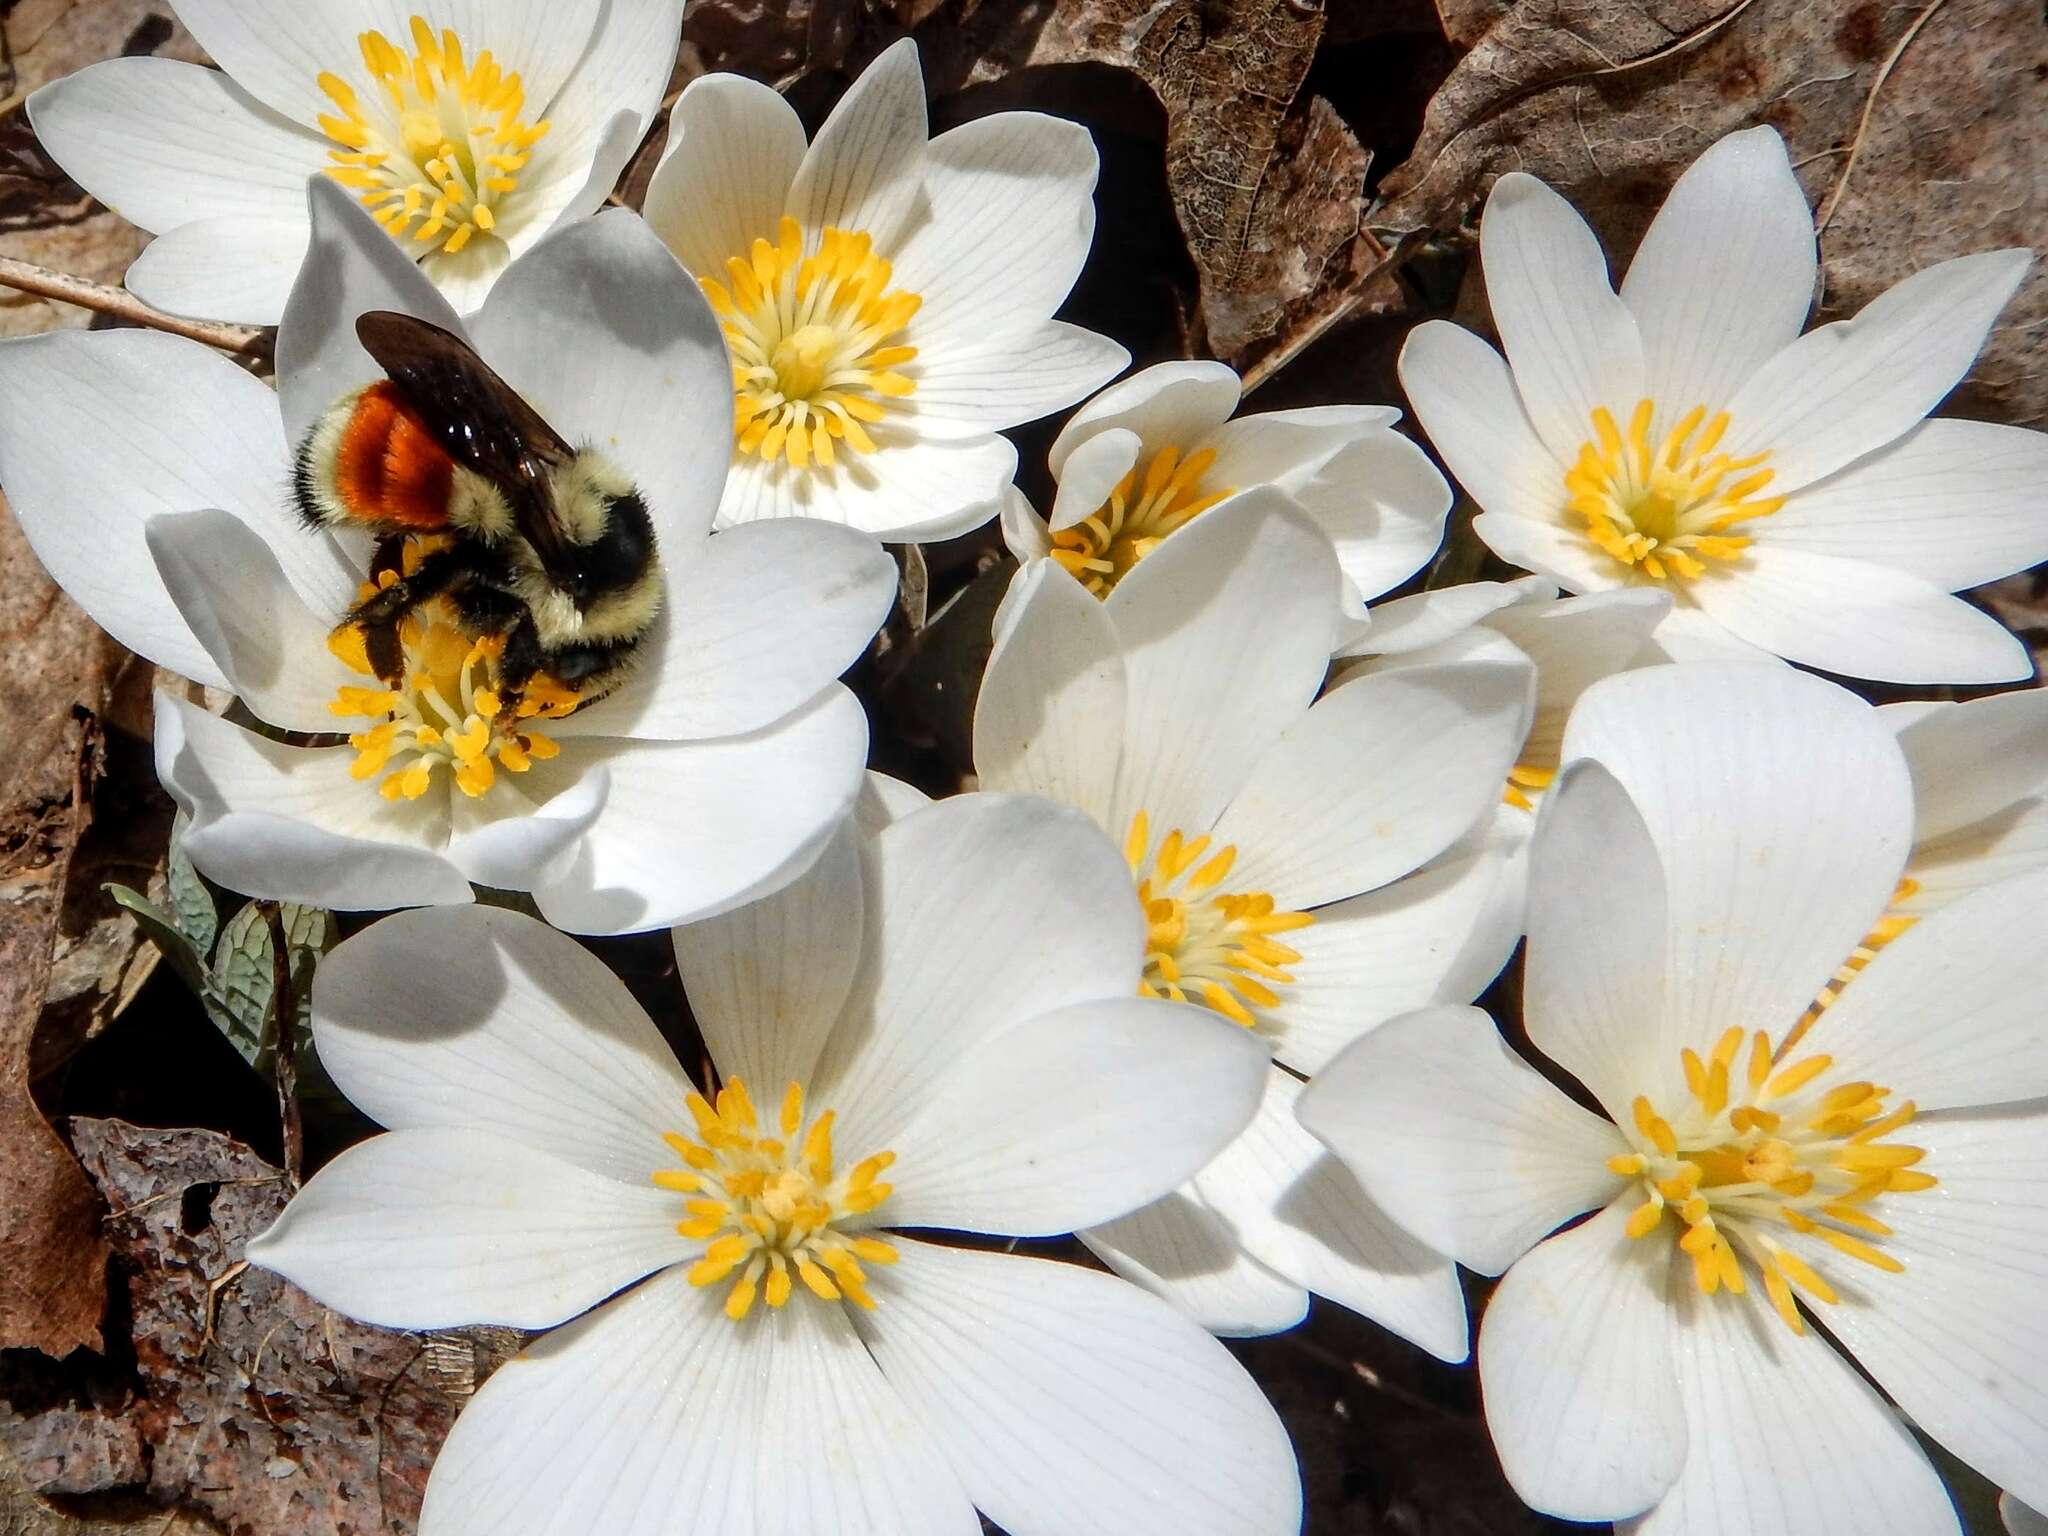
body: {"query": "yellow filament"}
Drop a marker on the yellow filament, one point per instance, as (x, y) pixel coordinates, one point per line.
(771, 1205)
(814, 343)
(435, 143)
(1202, 945)
(1665, 508)
(1156, 497)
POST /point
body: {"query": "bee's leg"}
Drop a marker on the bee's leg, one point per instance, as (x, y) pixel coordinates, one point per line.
(523, 655)
(388, 556)
(380, 614)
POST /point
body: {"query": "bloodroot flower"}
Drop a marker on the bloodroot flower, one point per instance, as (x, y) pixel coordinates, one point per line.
(887, 297)
(1784, 489)
(892, 1053)
(716, 772)
(1721, 838)
(470, 129)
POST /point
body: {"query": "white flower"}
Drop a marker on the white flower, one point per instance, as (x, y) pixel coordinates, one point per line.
(1157, 449)
(471, 129)
(713, 775)
(888, 299)
(894, 1052)
(1783, 488)
(1877, 1165)
(1303, 864)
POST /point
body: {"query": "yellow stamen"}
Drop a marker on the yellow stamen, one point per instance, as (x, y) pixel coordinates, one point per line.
(1158, 496)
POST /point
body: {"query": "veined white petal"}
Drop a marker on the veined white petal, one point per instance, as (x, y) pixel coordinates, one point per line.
(767, 981)
(1573, 344)
(1066, 1400)
(1091, 472)
(1180, 1250)
(2018, 1519)
(1576, 1362)
(623, 71)
(733, 148)
(1408, 624)
(1849, 388)
(1724, 277)
(1786, 1439)
(693, 828)
(909, 490)
(278, 59)
(1383, 504)
(438, 1228)
(1378, 777)
(1200, 609)
(1574, 643)
(1458, 1139)
(568, 180)
(1180, 403)
(983, 911)
(1467, 401)
(509, 841)
(542, 40)
(1689, 633)
(1566, 556)
(1048, 720)
(978, 383)
(1860, 619)
(864, 170)
(1953, 503)
(235, 269)
(1300, 1212)
(1974, 760)
(1781, 810)
(656, 1413)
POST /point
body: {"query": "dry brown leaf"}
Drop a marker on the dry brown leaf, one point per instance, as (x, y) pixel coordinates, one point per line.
(1608, 100)
(251, 1403)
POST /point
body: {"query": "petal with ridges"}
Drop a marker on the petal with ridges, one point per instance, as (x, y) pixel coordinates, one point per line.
(733, 148)
(864, 170)
(1180, 403)
(1180, 1250)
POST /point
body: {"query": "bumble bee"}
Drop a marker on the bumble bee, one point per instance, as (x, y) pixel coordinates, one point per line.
(547, 546)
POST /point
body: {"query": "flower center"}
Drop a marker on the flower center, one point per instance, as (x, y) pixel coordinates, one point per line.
(810, 336)
(437, 147)
(1757, 1168)
(1666, 508)
(1150, 502)
(770, 1205)
(1201, 948)
(449, 711)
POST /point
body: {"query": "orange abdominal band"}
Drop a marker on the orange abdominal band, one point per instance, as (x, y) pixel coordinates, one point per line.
(389, 468)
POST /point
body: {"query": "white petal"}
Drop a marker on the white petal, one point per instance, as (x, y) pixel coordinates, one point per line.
(980, 383)
(1383, 504)
(610, 338)
(1724, 277)
(1573, 344)
(766, 981)
(289, 824)
(1300, 1212)
(1780, 807)
(155, 139)
(1179, 403)
(1424, 619)
(1466, 400)
(352, 266)
(909, 490)
(1422, 939)
(571, 178)
(1860, 619)
(234, 269)
(440, 1228)
(1067, 1400)
(1847, 389)
(1970, 761)
(543, 40)
(278, 57)
(1593, 980)
(1247, 592)
(1091, 472)
(1380, 776)
(1687, 633)
(764, 616)
(657, 1414)
(479, 1018)
(1954, 503)
(1179, 1249)
(885, 801)
(509, 841)
(693, 828)
(733, 148)
(2012, 843)
(229, 587)
(1786, 1438)
(176, 427)
(983, 910)
(863, 172)
(986, 181)
(2018, 1519)
(1576, 1365)
(465, 278)
(1575, 643)
(1957, 1339)
(1458, 1139)
(1075, 1117)
(1048, 719)
(1565, 555)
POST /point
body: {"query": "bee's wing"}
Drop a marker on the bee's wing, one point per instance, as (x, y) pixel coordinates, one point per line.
(479, 419)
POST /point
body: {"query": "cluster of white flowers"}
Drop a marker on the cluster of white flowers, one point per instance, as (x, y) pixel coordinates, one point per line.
(1189, 974)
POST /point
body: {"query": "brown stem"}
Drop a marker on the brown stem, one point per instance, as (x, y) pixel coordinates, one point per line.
(284, 1006)
(27, 277)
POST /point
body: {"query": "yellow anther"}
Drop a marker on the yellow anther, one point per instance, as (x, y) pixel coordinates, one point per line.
(1156, 497)
(1792, 1079)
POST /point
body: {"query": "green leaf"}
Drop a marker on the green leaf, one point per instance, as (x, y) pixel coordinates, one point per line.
(191, 901)
(239, 991)
(165, 932)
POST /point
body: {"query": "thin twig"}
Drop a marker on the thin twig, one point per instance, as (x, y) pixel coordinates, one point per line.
(1884, 72)
(284, 1068)
(44, 283)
